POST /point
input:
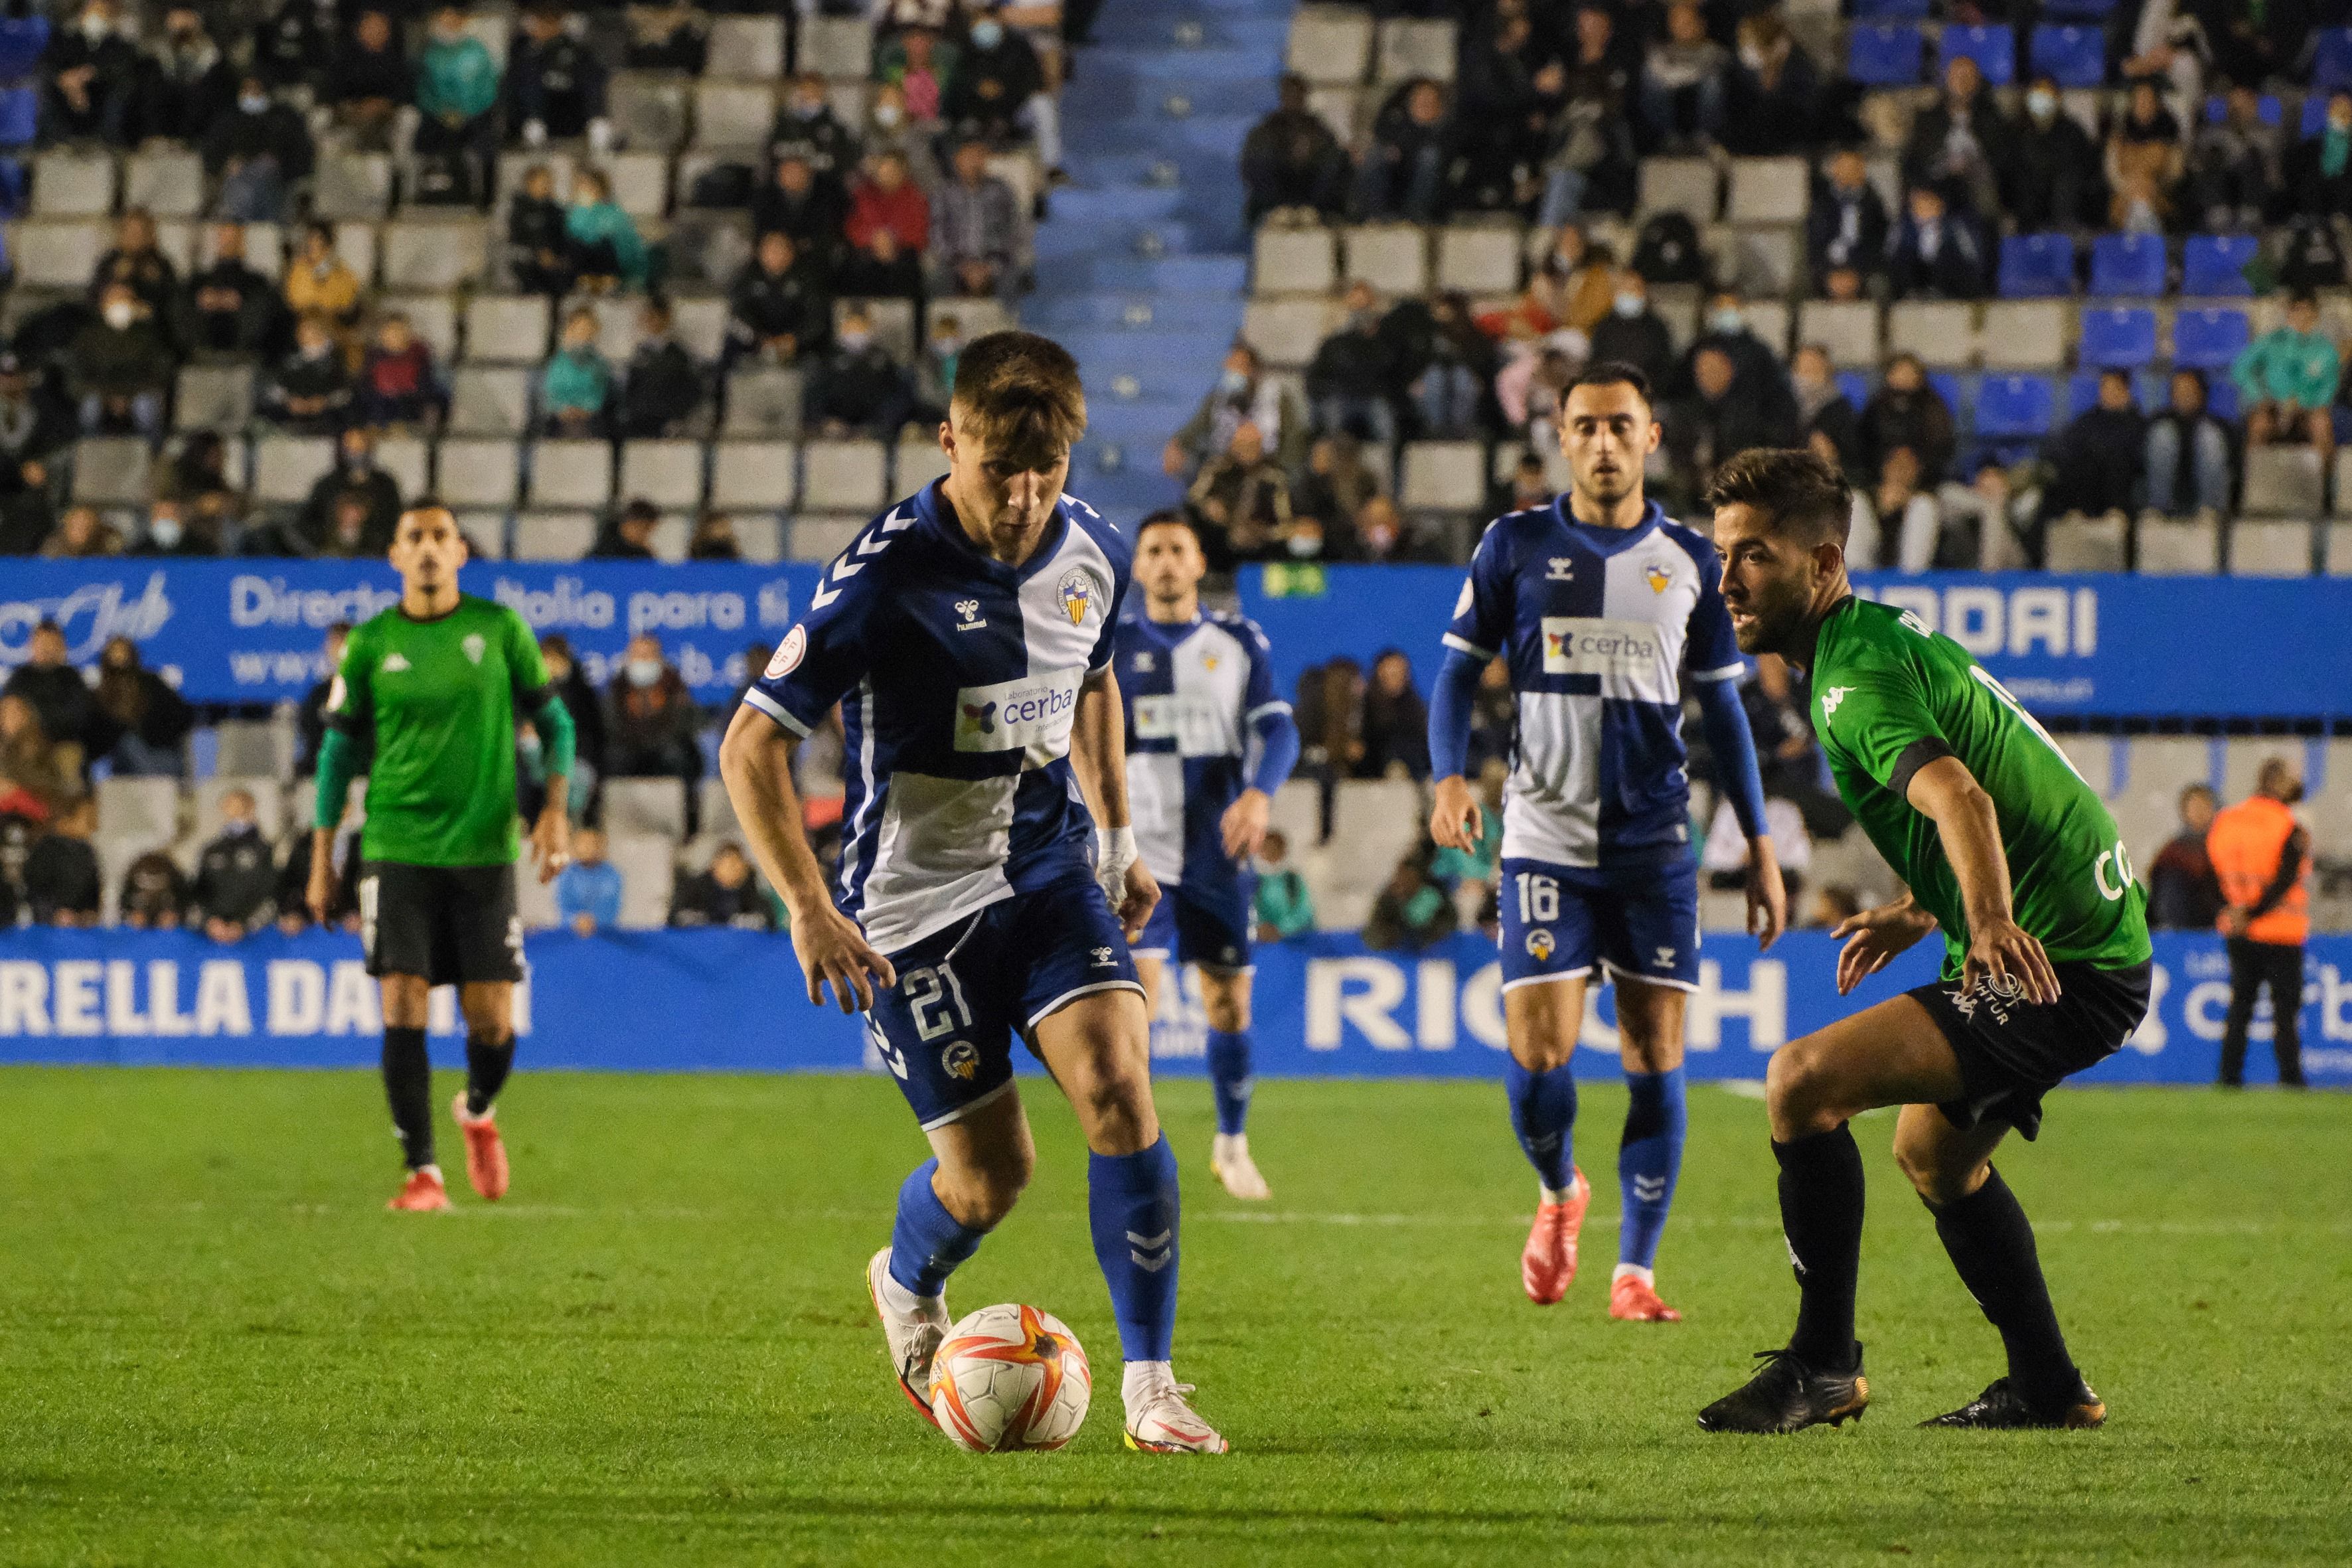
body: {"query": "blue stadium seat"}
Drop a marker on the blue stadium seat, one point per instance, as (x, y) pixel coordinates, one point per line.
(22, 39)
(2267, 108)
(2010, 407)
(2128, 265)
(2315, 115)
(20, 116)
(2213, 266)
(2221, 397)
(1885, 55)
(1956, 391)
(1855, 385)
(2083, 392)
(2209, 339)
(1890, 10)
(1993, 48)
(2081, 10)
(2071, 57)
(2036, 266)
(2117, 336)
(2331, 61)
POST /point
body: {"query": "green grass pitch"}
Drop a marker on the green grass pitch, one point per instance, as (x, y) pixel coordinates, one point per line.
(215, 1347)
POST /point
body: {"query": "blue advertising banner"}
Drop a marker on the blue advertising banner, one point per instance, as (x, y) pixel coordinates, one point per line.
(251, 631)
(2094, 645)
(733, 1000)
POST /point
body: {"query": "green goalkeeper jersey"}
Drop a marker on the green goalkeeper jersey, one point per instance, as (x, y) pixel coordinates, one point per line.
(439, 697)
(1890, 696)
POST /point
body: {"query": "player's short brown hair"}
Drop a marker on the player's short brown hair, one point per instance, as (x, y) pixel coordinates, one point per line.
(1798, 495)
(1020, 392)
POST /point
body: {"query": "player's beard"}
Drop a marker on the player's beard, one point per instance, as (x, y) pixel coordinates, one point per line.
(1772, 617)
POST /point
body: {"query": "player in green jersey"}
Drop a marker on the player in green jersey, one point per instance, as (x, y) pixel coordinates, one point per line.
(2046, 969)
(436, 682)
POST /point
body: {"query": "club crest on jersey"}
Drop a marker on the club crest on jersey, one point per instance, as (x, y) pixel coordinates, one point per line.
(969, 609)
(787, 657)
(476, 646)
(960, 1058)
(1077, 591)
(1559, 568)
(1539, 944)
(1658, 577)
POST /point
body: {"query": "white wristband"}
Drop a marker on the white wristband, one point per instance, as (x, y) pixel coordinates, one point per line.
(1115, 851)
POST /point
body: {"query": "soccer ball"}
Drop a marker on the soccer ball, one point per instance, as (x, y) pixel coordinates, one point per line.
(1009, 1378)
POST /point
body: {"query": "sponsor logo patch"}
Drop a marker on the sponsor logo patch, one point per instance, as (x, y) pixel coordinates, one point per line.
(788, 654)
(1831, 698)
(969, 610)
(394, 663)
(1032, 715)
(1588, 645)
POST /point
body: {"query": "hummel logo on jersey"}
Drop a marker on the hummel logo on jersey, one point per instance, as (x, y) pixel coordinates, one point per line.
(394, 662)
(982, 715)
(1666, 958)
(475, 644)
(969, 610)
(1143, 662)
(1831, 698)
(1558, 569)
(1104, 957)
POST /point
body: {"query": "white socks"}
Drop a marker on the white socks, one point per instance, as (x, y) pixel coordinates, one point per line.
(1143, 1379)
(903, 1303)
(1637, 1271)
(1551, 1195)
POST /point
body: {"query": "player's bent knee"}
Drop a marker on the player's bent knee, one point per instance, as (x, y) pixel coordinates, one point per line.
(1800, 1091)
(1937, 1174)
(981, 1194)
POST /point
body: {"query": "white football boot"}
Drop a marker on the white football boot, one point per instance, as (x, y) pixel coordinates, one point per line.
(1159, 1421)
(913, 1337)
(1230, 1162)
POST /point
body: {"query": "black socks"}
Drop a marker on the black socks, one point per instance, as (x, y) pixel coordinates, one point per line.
(408, 1087)
(1991, 1244)
(488, 1062)
(1820, 1214)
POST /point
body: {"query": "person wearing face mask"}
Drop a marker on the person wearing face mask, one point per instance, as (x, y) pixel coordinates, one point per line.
(1847, 224)
(2319, 170)
(1244, 393)
(2049, 172)
(1632, 334)
(137, 261)
(1937, 253)
(807, 129)
(860, 389)
(370, 79)
(118, 367)
(2144, 163)
(1822, 407)
(186, 82)
(1774, 102)
(168, 533)
(1907, 411)
(999, 89)
(2261, 856)
(651, 719)
(458, 96)
(1351, 383)
(257, 152)
(889, 129)
(1760, 381)
(90, 72)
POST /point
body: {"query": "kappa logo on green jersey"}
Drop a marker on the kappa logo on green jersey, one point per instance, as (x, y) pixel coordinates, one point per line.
(1831, 698)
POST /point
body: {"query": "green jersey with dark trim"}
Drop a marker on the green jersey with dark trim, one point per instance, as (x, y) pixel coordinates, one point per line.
(1890, 696)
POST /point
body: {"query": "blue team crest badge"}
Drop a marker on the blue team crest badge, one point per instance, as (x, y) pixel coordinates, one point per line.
(1077, 591)
(960, 1058)
(476, 646)
(1539, 944)
(1658, 577)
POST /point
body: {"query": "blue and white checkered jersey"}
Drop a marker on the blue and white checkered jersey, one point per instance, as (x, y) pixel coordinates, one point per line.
(957, 679)
(1193, 692)
(1596, 625)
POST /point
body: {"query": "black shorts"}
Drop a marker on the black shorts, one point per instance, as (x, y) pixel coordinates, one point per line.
(452, 924)
(2012, 1052)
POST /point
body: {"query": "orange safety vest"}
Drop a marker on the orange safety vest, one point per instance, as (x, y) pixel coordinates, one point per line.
(2245, 842)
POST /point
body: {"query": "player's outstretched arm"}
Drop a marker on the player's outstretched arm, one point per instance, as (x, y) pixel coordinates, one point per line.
(1945, 792)
(1453, 821)
(1098, 757)
(756, 761)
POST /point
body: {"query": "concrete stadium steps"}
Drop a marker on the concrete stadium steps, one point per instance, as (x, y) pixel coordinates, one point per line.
(1143, 265)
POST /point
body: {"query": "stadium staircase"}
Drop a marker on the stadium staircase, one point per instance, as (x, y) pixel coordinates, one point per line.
(1141, 271)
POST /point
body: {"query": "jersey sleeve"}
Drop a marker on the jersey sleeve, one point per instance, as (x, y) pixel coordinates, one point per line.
(828, 649)
(1122, 574)
(1258, 695)
(350, 702)
(1712, 650)
(525, 666)
(1877, 714)
(1481, 615)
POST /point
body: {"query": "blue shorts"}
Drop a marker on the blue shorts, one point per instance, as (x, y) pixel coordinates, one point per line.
(1203, 924)
(946, 1029)
(1640, 920)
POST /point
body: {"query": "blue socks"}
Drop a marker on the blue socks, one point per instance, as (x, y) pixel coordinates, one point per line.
(1131, 1204)
(1543, 1110)
(1229, 1076)
(927, 1242)
(1648, 1161)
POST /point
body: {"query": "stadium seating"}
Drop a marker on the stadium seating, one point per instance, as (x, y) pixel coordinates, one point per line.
(2117, 337)
(1994, 49)
(2214, 265)
(2072, 56)
(2035, 266)
(2130, 265)
(1888, 54)
(2209, 339)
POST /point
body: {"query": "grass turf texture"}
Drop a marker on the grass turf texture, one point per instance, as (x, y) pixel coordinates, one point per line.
(214, 1345)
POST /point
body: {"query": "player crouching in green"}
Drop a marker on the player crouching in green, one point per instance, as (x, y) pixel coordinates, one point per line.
(424, 707)
(2046, 963)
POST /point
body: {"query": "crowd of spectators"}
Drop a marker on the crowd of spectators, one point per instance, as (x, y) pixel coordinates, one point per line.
(2184, 125)
(895, 204)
